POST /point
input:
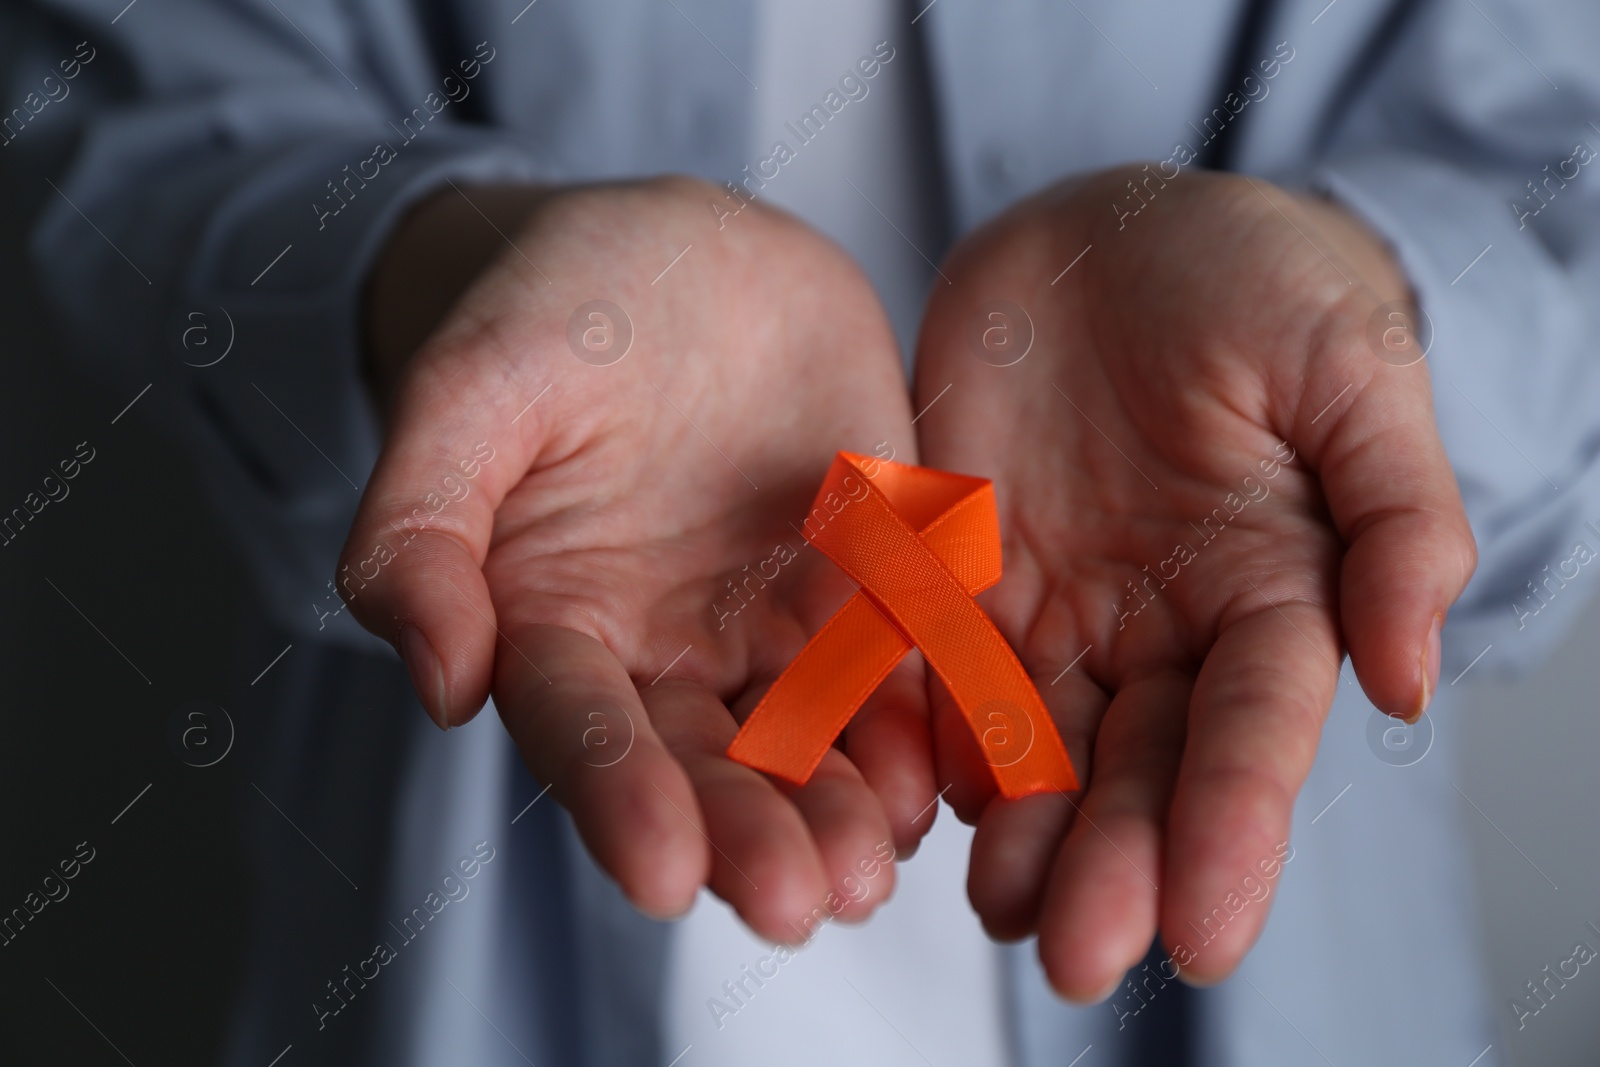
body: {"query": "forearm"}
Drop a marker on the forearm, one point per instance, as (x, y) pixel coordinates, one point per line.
(244, 201)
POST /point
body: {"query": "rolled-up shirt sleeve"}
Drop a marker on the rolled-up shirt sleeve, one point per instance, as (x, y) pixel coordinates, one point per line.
(218, 177)
(1473, 150)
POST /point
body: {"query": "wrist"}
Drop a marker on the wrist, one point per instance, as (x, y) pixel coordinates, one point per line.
(432, 256)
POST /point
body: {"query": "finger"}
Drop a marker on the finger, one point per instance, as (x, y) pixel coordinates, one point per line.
(1016, 842)
(764, 861)
(577, 719)
(968, 783)
(411, 567)
(1102, 903)
(1013, 848)
(890, 743)
(1394, 499)
(1255, 718)
(852, 836)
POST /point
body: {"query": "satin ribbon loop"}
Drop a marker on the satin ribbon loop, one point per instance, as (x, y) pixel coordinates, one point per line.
(921, 544)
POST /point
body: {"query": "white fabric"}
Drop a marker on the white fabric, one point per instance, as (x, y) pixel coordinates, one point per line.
(864, 180)
(919, 981)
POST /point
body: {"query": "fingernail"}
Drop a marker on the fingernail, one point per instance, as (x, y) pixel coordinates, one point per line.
(1431, 652)
(427, 675)
(1189, 979)
(1104, 993)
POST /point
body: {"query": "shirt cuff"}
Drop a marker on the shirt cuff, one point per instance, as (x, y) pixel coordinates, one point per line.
(292, 422)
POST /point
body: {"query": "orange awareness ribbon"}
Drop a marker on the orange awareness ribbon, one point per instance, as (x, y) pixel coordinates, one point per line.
(921, 544)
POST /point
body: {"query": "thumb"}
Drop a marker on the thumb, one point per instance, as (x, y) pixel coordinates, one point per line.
(412, 568)
(1394, 500)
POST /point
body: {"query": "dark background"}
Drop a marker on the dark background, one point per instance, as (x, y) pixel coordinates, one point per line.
(147, 943)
